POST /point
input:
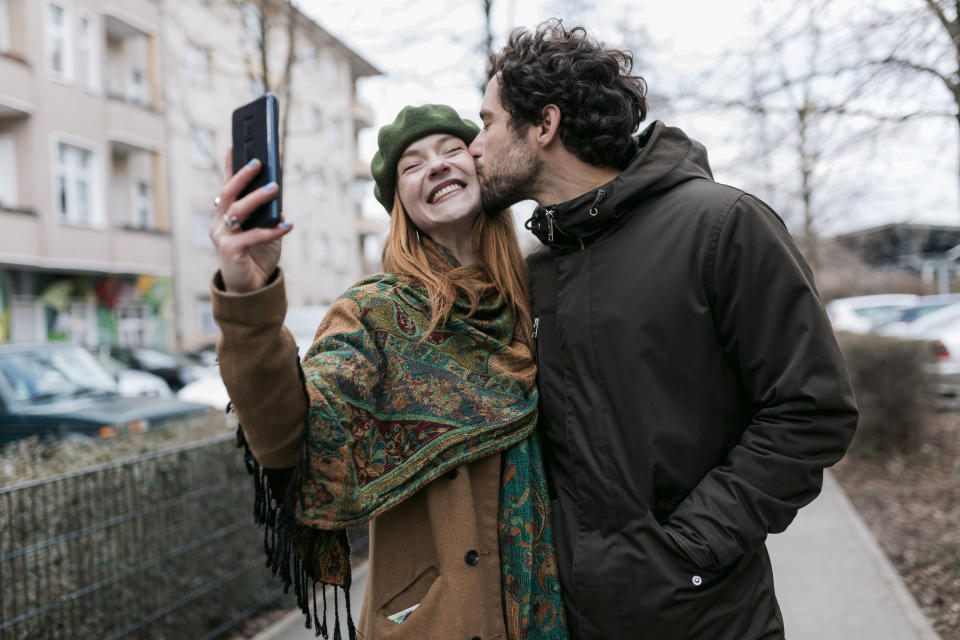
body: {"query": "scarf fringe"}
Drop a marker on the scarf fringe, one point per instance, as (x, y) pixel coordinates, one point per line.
(284, 540)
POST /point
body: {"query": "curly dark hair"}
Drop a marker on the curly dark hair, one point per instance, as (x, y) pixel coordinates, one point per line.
(601, 103)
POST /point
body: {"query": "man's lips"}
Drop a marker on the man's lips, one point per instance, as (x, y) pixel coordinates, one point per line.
(444, 189)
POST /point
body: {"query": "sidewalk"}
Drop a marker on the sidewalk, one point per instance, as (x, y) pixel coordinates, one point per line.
(832, 580)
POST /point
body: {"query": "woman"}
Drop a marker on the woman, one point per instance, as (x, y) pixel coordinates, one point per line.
(413, 410)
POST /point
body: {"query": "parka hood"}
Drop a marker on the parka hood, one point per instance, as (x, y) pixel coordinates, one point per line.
(666, 157)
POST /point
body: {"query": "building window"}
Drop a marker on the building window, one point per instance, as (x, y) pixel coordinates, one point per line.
(208, 326)
(9, 196)
(82, 323)
(4, 25)
(201, 147)
(340, 256)
(144, 216)
(88, 53)
(137, 90)
(27, 319)
(318, 183)
(74, 180)
(331, 71)
(323, 249)
(198, 65)
(201, 229)
(58, 45)
(310, 55)
(251, 23)
(316, 118)
(131, 323)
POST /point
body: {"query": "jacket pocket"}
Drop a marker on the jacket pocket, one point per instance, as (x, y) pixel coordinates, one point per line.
(412, 594)
(662, 590)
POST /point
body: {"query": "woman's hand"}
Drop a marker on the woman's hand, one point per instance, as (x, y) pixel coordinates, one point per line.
(247, 258)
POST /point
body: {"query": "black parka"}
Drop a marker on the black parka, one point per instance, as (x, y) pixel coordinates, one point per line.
(692, 394)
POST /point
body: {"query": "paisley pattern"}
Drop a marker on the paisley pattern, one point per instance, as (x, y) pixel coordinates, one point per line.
(393, 408)
(528, 560)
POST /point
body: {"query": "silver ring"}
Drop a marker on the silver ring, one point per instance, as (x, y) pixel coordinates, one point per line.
(216, 202)
(232, 223)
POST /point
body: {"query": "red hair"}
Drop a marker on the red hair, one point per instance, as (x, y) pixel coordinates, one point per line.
(499, 265)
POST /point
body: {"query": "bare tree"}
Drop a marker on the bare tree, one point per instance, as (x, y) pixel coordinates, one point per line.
(918, 41)
(263, 21)
(809, 113)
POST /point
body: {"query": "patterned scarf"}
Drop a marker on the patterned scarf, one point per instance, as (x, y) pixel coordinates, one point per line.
(392, 409)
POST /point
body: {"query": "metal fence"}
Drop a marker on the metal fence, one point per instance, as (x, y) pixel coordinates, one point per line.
(158, 546)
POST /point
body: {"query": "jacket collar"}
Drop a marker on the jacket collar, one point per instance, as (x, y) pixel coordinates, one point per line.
(665, 158)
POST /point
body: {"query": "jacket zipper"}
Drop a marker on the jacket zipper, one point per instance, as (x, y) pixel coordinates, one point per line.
(550, 213)
(536, 327)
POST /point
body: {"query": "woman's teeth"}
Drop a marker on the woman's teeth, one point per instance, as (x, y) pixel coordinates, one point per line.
(450, 188)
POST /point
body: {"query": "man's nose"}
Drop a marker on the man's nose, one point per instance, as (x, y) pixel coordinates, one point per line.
(476, 147)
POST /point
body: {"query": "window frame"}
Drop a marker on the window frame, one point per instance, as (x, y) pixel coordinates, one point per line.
(65, 75)
(94, 174)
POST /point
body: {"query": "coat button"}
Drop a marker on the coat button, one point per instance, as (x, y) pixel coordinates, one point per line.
(472, 558)
(696, 580)
(453, 473)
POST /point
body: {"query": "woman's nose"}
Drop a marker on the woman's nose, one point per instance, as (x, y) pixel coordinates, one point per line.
(438, 165)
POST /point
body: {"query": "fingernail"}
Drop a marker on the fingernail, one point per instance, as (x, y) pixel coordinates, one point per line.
(252, 163)
(286, 224)
(270, 186)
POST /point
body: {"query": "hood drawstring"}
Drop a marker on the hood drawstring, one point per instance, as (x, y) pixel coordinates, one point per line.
(601, 194)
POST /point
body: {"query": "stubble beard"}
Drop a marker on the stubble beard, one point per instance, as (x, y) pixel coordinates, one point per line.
(510, 180)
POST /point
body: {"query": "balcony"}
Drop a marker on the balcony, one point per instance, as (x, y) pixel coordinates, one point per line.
(16, 88)
(131, 126)
(362, 115)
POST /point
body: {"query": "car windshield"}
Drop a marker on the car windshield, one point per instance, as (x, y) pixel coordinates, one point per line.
(151, 359)
(44, 374)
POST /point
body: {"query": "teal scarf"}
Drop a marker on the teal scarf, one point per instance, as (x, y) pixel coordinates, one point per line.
(392, 408)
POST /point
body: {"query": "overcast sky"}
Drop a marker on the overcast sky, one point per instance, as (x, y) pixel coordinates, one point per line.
(429, 52)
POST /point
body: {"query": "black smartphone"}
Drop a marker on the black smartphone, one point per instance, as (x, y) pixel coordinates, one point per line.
(255, 135)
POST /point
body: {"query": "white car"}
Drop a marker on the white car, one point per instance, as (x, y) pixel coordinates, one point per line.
(907, 319)
(942, 329)
(864, 314)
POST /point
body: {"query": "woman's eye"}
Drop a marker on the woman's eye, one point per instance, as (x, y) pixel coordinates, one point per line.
(407, 169)
(453, 149)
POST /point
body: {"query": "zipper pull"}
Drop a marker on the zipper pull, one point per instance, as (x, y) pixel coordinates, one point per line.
(550, 225)
(536, 327)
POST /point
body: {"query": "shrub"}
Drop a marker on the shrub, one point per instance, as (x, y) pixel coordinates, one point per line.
(892, 390)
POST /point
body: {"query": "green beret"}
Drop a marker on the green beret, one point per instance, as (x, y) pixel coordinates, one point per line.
(412, 123)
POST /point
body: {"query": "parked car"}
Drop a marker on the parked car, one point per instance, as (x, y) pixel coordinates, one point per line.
(925, 305)
(863, 314)
(208, 389)
(176, 370)
(58, 389)
(132, 382)
(942, 329)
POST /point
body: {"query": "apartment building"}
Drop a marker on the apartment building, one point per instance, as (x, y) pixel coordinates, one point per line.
(212, 51)
(114, 121)
(85, 238)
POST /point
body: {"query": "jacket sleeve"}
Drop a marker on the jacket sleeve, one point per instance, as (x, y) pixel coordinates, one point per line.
(774, 331)
(259, 366)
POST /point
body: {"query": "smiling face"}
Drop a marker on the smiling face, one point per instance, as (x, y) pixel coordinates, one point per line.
(437, 183)
(507, 164)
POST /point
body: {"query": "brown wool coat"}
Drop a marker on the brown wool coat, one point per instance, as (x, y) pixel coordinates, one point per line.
(439, 548)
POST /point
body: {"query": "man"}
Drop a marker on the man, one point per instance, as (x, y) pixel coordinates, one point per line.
(692, 390)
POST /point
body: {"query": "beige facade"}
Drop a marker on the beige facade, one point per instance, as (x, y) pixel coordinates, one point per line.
(212, 61)
(85, 227)
(114, 121)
